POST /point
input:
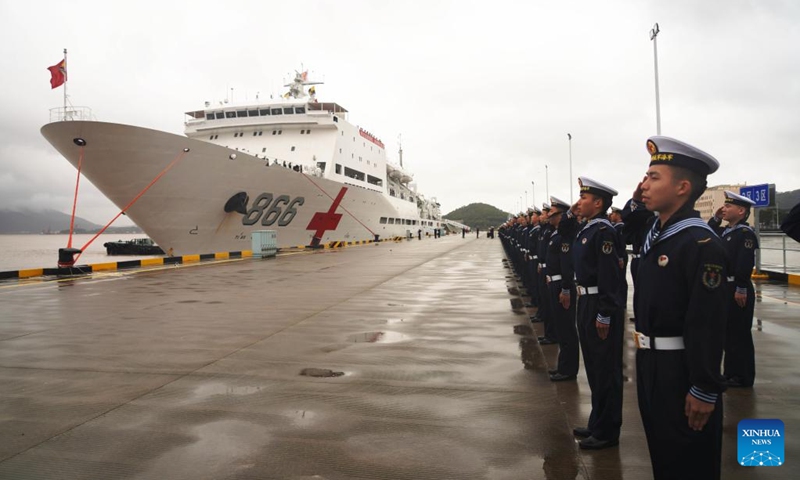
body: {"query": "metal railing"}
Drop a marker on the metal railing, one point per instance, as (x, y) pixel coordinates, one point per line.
(69, 114)
(778, 252)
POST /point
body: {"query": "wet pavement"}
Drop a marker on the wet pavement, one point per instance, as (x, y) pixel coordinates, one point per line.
(389, 361)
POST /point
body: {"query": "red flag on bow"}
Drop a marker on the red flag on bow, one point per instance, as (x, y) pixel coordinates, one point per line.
(58, 74)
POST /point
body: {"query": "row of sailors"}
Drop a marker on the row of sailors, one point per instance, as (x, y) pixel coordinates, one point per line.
(692, 297)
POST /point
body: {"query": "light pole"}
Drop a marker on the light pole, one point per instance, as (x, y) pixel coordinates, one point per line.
(533, 194)
(569, 136)
(525, 208)
(653, 34)
(546, 184)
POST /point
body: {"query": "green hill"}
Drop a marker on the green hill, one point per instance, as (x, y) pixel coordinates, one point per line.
(478, 215)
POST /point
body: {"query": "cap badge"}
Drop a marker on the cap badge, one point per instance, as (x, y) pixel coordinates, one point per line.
(663, 260)
(584, 240)
(651, 147)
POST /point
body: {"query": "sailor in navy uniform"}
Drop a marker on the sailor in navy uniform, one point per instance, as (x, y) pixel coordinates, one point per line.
(615, 217)
(680, 306)
(532, 258)
(598, 278)
(740, 244)
(545, 312)
(562, 295)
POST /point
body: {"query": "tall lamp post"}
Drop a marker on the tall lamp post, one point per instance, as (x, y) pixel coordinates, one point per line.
(533, 193)
(525, 208)
(653, 34)
(569, 136)
(546, 184)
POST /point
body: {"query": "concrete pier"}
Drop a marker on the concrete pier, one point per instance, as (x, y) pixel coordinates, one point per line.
(387, 361)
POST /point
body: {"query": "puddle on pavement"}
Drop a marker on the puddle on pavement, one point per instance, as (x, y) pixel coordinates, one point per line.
(523, 330)
(320, 373)
(377, 337)
(528, 352)
(396, 304)
(211, 389)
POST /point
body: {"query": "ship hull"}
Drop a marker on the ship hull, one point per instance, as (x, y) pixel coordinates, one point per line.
(187, 184)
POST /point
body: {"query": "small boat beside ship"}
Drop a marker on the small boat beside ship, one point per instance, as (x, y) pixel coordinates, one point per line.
(137, 246)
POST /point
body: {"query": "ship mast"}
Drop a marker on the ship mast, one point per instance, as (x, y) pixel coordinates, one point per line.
(400, 152)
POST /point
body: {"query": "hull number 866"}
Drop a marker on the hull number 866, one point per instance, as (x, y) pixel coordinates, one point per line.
(269, 210)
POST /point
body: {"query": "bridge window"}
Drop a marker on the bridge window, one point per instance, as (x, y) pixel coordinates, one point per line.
(352, 173)
(383, 219)
(252, 113)
(209, 116)
(374, 181)
(241, 113)
(230, 114)
(299, 109)
(338, 169)
(219, 115)
(288, 110)
(276, 111)
(264, 112)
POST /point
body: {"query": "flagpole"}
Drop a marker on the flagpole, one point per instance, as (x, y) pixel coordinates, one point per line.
(66, 77)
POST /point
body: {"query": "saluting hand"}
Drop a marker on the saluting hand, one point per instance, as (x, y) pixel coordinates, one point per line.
(698, 412)
(602, 329)
(637, 194)
(718, 214)
(741, 299)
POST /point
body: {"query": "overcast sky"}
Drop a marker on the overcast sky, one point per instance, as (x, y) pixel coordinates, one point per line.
(482, 92)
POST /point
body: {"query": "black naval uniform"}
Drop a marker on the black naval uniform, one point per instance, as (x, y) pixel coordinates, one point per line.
(791, 224)
(560, 274)
(638, 215)
(681, 293)
(740, 357)
(622, 253)
(545, 312)
(598, 284)
(532, 265)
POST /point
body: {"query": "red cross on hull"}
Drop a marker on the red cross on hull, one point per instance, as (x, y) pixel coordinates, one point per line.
(323, 221)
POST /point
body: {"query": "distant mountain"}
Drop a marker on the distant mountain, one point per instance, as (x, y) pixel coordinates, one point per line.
(478, 215)
(53, 221)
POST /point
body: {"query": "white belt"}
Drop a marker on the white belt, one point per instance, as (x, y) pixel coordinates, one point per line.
(535, 257)
(587, 290)
(657, 343)
(635, 255)
(731, 279)
(542, 265)
(554, 278)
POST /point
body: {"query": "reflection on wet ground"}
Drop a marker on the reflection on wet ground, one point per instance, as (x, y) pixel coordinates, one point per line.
(418, 364)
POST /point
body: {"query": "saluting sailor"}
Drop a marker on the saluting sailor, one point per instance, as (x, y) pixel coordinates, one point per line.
(545, 311)
(680, 308)
(740, 244)
(533, 260)
(560, 275)
(598, 278)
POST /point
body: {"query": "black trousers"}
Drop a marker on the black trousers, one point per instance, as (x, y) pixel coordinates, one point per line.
(603, 362)
(740, 354)
(545, 310)
(676, 451)
(532, 281)
(566, 329)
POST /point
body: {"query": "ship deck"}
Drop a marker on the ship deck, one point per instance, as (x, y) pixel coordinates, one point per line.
(387, 361)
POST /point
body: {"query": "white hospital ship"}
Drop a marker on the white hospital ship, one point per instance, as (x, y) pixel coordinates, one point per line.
(295, 165)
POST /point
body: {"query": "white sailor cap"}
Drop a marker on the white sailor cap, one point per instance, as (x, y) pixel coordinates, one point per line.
(559, 204)
(616, 209)
(537, 211)
(596, 188)
(669, 151)
(737, 199)
(545, 207)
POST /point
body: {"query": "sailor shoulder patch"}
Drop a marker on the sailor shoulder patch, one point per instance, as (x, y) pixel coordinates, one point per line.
(712, 275)
(565, 247)
(608, 247)
(748, 243)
